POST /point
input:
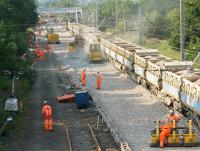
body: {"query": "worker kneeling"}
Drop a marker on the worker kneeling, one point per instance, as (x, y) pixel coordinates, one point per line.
(167, 127)
(47, 114)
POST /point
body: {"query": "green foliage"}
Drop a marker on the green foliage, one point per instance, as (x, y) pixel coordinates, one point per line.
(158, 17)
(107, 11)
(5, 83)
(161, 18)
(161, 6)
(158, 27)
(61, 3)
(16, 16)
(192, 30)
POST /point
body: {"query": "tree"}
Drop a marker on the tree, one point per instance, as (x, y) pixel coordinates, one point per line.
(192, 30)
(16, 16)
(61, 3)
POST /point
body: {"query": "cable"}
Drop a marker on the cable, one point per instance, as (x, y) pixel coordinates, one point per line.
(11, 25)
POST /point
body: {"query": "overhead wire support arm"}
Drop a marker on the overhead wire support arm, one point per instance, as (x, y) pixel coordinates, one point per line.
(101, 23)
(189, 69)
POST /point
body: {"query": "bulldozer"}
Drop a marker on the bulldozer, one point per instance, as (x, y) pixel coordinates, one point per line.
(179, 137)
(52, 37)
(95, 54)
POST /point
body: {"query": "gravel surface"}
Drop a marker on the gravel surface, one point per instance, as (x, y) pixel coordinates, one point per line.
(51, 82)
(132, 108)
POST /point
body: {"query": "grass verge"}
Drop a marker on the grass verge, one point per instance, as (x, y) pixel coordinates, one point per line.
(162, 45)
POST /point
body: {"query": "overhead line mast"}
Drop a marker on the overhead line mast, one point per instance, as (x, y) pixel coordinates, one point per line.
(182, 39)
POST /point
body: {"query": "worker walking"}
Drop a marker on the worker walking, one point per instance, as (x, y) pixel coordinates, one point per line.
(167, 127)
(47, 114)
(83, 77)
(48, 48)
(99, 80)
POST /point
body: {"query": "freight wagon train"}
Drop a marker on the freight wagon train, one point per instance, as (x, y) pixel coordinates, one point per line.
(165, 77)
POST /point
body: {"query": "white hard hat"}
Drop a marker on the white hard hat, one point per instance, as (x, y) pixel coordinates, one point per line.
(45, 102)
(171, 112)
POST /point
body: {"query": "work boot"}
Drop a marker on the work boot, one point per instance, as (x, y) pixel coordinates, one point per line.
(161, 144)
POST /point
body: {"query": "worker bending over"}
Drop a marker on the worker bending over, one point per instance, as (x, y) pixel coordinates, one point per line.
(99, 80)
(47, 114)
(167, 127)
(173, 116)
(83, 77)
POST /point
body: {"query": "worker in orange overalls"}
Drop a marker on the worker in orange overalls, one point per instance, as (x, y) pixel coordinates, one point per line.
(167, 127)
(99, 80)
(83, 77)
(48, 48)
(47, 114)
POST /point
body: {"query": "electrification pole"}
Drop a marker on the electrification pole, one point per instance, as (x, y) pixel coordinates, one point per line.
(140, 26)
(116, 21)
(93, 14)
(97, 14)
(182, 39)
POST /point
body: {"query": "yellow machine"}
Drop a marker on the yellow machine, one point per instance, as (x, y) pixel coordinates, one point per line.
(179, 137)
(52, 37)
(41, 20)
(72, 46)
(95, 54)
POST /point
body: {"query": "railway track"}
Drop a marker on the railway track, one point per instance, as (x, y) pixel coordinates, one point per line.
(92, 142)
(79, 132)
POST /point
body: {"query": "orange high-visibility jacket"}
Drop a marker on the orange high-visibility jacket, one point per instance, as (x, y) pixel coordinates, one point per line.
(99, 78)
(83, 75)
(41, 54)
(174, 117)
(47, 111)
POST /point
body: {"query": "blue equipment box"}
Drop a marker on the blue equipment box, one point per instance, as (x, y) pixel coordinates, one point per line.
(82, 99)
